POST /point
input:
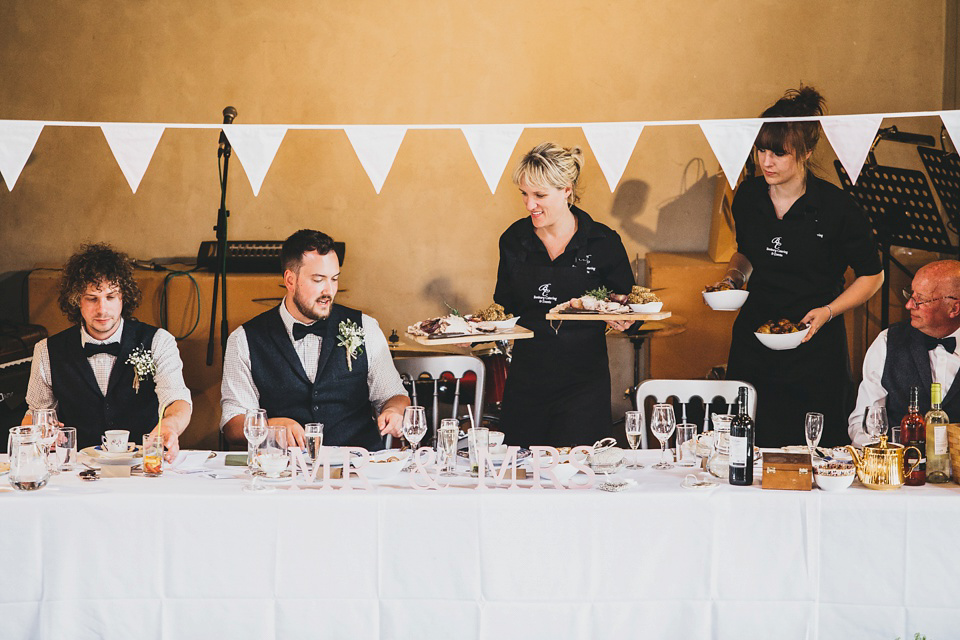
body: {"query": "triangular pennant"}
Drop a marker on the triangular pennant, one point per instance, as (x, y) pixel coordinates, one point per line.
(256, 146)
(612, 144)
(851, 137)
(376, 147)
(731, 141)
(492, 145)
(951, 120)
(17, 140)
(133, 145)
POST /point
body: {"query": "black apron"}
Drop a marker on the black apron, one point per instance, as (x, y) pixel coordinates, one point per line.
(816, 375)
(558, 389)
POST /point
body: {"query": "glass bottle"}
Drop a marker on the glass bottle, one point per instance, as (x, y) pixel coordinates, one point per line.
(913, 432)
(741, 444)
(938, 458)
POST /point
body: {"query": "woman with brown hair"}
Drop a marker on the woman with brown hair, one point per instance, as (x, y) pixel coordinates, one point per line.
(796, 236)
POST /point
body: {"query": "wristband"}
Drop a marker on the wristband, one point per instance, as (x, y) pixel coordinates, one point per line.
(827, 307)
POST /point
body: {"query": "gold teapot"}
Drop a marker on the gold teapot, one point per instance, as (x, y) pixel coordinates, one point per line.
(881, 465)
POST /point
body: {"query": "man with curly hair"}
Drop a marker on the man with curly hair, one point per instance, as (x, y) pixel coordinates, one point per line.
(86, 372)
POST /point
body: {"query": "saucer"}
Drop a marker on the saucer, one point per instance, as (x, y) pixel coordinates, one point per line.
(131, 457)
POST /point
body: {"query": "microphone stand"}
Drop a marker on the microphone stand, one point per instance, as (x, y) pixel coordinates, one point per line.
(221, 273)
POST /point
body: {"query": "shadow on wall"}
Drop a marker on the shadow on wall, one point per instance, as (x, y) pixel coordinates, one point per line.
(13, 296)
(448, 300)
(682, 223)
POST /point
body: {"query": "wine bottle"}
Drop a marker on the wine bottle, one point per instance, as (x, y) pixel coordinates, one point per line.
(913, 431)
(741, 444)
(938, 459)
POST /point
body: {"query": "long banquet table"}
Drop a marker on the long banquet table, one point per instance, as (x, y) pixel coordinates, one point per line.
(190, 556)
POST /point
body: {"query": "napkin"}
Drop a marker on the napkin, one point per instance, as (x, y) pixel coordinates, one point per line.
(190, 461)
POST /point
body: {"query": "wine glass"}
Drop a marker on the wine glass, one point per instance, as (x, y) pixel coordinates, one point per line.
(813, 429)
(449, 437)
(48, 430)
(875, 421)
(414, 428)
(634, 427)
(662, 423)
(273, 456)
(255, 430)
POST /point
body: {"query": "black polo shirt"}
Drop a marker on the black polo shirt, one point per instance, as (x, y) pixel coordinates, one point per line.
(595, 248)
(799, 260)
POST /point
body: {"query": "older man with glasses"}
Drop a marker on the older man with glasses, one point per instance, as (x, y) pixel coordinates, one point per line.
(916, 353)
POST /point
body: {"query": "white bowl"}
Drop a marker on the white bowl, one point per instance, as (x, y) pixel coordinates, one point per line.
(834, 483)
(647, 307)
(782, 341)
(378, 469)
(502, 325)
(729, 300)
(495, 439)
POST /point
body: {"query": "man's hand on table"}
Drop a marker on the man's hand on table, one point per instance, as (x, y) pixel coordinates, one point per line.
(171, 442)
(390, 421)
(295, 433)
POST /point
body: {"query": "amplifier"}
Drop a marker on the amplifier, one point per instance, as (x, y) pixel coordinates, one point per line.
(250, 256)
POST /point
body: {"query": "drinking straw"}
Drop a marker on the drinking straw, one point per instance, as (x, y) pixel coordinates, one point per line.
(470, 413)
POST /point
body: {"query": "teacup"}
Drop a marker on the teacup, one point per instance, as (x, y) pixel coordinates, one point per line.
(496, 439)
(115, 440)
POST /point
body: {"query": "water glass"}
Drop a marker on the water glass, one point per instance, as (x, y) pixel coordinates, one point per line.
(152, 455)
(813, 429)
(633, 425)
(414, 428)
(479, 440)
(662, 423)
(67, 448)
(47, 425)
(255, 431)
(875, 421)
(686, 444)
(449, 437)
(313, 434)
(273, 457)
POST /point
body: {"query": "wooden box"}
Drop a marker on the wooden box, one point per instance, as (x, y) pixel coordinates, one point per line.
(787, 471)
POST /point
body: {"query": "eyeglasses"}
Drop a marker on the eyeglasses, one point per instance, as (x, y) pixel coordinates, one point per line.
(909, 295)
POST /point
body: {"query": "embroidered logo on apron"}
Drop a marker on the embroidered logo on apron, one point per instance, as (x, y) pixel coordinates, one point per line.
(545, 297)
(774, 248)
(586, 263)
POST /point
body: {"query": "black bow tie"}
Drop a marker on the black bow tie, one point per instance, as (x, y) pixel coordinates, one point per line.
(91, 349)
(950, 344)
(318, 328)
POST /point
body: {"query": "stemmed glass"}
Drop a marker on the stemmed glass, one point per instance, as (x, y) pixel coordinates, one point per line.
(48, 429)
(414, 428)
(449, 437)
(813, 429)
(875, 421)
(634, 427)
(255, 430)
(662, 423)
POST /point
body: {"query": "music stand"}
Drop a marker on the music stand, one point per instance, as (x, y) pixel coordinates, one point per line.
(944, 171)
(902, 212)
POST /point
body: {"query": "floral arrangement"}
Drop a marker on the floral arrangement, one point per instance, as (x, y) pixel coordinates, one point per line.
(351, 339)
(144, 365)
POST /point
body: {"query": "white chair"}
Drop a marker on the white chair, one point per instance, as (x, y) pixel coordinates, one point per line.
(420, 368)
(707, 391)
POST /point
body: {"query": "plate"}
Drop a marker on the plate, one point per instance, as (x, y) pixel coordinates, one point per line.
(131, 448)
(130, 458)
(692, 482)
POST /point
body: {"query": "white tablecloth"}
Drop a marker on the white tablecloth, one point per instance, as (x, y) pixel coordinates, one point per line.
(195, 557)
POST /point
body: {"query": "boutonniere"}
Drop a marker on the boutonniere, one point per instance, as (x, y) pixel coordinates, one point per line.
(144, 366)
(351, 339)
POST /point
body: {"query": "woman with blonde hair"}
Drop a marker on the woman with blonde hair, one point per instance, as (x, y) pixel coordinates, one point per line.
(558, 389)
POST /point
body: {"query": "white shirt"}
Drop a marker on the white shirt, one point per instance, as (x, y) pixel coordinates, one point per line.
(943, 369)
(169, 376)
(239, 394)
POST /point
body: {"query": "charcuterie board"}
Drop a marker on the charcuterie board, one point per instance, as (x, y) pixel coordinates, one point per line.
(594, 315)
(516, 333)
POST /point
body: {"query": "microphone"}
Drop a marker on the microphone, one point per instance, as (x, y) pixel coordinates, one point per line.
(228, 115)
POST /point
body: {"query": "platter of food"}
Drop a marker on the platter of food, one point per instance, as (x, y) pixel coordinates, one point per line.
(488, 325)
(602, 304)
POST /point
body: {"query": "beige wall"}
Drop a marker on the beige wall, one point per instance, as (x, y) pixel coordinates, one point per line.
(432, 232)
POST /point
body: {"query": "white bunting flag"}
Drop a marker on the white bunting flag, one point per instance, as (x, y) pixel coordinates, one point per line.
(951, 120)
(492, 145)
(256, 146)
(731, 141)
(613, 144)
(17, 140)
(376, 147)
(851, 137)
(133, 145)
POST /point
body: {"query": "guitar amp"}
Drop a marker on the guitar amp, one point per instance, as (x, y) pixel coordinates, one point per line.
(250, 256)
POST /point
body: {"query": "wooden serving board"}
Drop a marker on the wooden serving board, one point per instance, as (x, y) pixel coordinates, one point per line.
(609, 316)
(517, 333)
